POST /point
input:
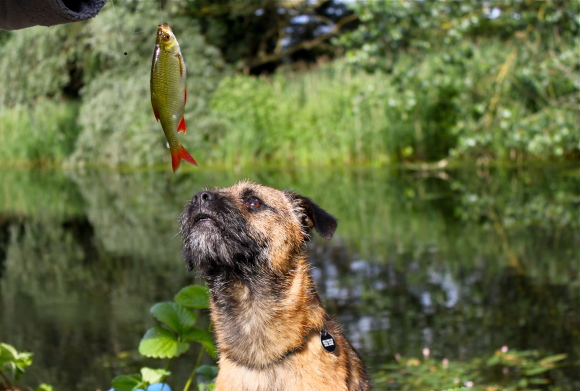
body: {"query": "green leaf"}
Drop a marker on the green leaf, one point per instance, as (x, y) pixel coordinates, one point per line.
(552, 359)
(193, 296)
(127, 382)
(203, 337)
(207, 372)
(494, 360)
(7, 353)
(14, 362)
(161, 343)
(174, 315)
(153, 376)
(44, 387)
(536, 370)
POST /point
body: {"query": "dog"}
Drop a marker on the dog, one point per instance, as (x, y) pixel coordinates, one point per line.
(272, 333)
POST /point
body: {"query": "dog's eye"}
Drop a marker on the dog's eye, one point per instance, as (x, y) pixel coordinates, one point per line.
(253, 203)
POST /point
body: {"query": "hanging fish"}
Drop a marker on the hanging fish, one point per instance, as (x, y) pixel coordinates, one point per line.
(169, 92)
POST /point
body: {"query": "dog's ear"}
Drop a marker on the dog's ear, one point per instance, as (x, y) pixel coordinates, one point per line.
(313, 216)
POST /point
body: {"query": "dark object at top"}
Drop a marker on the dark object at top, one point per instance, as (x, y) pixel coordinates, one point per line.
(19, 14)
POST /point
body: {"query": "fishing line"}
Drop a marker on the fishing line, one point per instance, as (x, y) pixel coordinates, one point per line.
(161, 12)
(135, 29)
(118, 27)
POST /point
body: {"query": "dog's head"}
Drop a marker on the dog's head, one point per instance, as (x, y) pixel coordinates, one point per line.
(237, 229)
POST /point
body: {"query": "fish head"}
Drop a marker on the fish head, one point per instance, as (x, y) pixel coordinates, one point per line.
(166, 39)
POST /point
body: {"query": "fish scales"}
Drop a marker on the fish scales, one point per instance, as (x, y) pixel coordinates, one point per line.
(169, 92)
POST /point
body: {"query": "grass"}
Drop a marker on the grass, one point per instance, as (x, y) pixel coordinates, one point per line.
(492, 102)
(41, 134)
(315, 118)
(473, 103)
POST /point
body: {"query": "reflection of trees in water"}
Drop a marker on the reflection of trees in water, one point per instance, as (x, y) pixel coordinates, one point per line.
(415, 262)
(4, 238)
(460, 313)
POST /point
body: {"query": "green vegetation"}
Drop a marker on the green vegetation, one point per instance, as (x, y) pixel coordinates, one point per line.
(43, 133)
(13, 364)
(464, 106)
(340, 95)
(417, 82)
(173, 340)
(505, 370)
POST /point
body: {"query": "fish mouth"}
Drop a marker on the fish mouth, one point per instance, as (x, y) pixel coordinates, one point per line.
(163, 27)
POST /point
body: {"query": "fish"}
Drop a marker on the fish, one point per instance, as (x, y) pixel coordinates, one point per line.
(169, 92)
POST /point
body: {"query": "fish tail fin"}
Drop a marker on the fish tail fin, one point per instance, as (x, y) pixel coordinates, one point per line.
(178, 154)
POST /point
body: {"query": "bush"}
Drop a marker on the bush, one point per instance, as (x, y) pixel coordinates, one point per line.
(42, 133)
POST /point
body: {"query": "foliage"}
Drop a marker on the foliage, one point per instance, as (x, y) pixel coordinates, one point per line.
(84, 63)
(389, 29)
(148, 376)
(172, 340)
(506, 370)
(419, 82)
(13, 364)
(503, 77)
(259, 35)
(44, 133)
(58, 52)
(343, 129)
(471, 103)
(496, 90)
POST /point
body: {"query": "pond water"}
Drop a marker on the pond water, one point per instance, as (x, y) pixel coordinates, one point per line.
(461, 261)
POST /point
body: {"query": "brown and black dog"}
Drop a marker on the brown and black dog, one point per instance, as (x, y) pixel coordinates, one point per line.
(248, 241)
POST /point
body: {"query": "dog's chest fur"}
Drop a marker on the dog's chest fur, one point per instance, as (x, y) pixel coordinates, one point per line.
(259, 325)
(302, 370)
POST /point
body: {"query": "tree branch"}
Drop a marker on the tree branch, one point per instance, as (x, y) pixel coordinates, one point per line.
(278, 55)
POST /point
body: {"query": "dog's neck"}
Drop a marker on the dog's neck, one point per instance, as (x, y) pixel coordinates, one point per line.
(259, 320)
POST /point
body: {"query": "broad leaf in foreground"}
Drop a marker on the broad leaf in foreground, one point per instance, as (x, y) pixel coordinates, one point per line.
(174, 315)
(161, 343)
(193, 296)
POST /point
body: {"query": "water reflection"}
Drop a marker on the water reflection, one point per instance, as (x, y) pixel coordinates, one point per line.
(461, 262)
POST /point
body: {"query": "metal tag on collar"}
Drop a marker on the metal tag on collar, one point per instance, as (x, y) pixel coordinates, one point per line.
(327, 341)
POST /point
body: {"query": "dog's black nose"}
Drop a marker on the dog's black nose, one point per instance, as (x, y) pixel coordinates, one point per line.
(204, 196)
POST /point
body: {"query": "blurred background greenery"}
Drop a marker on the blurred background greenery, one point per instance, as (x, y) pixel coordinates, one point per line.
(301, 82)
(443, 135)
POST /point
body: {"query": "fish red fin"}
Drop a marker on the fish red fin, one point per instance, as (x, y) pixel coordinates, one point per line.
(156, 113)
(181, 126)
(181, 154)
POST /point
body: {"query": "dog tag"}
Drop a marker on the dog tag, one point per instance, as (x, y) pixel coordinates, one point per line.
(327, 341)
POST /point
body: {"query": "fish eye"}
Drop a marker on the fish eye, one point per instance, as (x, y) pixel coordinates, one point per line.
(166, 36)
(253, 203)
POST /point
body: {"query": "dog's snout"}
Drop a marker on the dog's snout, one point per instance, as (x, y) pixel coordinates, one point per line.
(203, 197)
